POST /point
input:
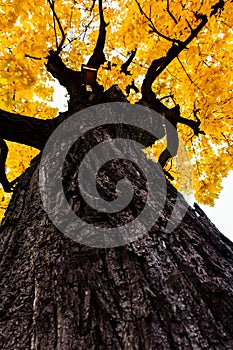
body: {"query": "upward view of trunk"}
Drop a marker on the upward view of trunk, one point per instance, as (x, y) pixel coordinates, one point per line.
(162, 291)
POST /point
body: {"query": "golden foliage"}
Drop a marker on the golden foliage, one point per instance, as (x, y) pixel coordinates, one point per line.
(201, 79)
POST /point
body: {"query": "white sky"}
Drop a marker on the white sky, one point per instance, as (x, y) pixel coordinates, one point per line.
(220, 214)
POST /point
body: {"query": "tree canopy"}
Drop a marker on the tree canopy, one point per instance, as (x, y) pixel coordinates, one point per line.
(176, 56)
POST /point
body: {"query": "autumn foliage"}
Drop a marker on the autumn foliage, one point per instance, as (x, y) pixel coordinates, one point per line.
(198, 78)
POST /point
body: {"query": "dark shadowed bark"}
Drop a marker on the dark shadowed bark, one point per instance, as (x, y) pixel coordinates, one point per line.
(163, 291)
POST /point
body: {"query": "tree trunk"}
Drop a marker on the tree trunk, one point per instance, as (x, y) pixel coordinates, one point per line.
(163, 291)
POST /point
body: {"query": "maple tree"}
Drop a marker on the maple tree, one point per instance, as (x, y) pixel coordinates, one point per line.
(159, 289)
(173, 56)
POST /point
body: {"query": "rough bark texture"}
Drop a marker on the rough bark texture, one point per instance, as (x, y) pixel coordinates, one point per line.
(164, 291)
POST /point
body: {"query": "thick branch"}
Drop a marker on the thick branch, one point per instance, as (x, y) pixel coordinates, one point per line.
(98, 56)
(158, 65)
(67, 77)
(124, 69)
(126, 64)
(3, 155)
(72, 80)
(217, 8)
(173, 115)
(35, 132)
(26, 130)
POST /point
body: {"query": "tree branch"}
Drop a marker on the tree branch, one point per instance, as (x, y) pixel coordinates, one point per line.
(170, 14)
(217, 8)
(193, 124)
(152, 26)
(3, 155)
(72, 80)
(126, 64)
(25, 130)
(32, 57)
(124, 69)
(98, 56)
(93, 5)
(187, 74)
(55, 18)
(67, 77)
(158, 65)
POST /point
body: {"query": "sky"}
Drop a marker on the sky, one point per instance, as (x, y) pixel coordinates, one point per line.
(220, 214)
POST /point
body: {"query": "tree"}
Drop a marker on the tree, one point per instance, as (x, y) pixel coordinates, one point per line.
(165, 290)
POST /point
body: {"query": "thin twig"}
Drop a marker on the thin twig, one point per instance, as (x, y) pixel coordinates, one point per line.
(55, 31)
(170, 14)
(93, 5)
(190, 79)
(152, 26)
(81, 35)
(87, 26)
(55, 16)
(166, 97)
(32, 57)
(71, 15)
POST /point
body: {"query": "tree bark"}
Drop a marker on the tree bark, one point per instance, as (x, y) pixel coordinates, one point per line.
(163, 291)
